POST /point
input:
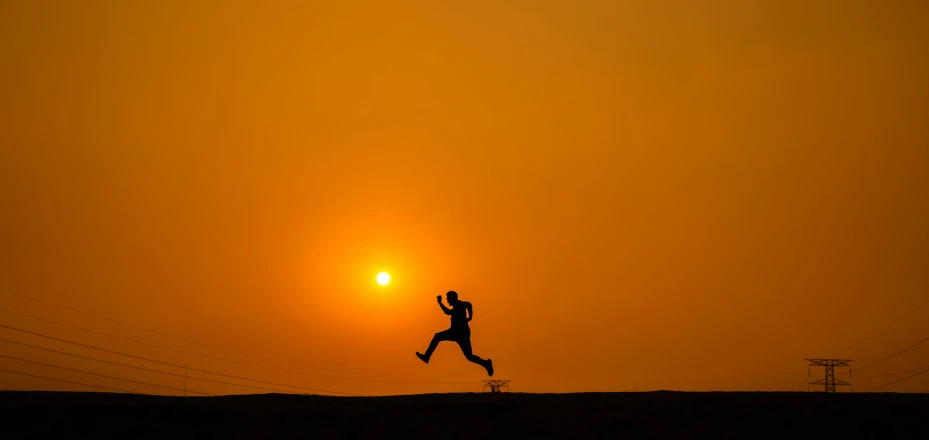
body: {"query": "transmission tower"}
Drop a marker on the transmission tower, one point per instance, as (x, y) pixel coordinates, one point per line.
(829, 382)
(497, 386)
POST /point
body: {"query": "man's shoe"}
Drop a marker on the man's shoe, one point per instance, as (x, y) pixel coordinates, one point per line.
(422, 357)
(490, 367)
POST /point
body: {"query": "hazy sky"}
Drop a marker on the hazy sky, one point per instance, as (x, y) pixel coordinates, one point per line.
(635, 195)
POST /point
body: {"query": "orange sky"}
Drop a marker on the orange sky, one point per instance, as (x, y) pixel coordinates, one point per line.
(633, 195)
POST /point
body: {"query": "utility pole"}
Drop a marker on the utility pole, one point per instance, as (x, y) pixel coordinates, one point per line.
(829, 382)
(185, 380)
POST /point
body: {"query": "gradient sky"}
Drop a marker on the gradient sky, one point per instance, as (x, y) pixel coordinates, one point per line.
(635, 195)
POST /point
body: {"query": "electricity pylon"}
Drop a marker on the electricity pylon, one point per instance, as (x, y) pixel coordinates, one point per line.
(829, 382)
(497, 386)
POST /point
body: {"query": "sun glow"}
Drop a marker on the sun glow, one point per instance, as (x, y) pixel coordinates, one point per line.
(383, 278)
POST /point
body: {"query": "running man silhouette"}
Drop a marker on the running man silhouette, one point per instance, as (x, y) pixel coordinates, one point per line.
(461, 313)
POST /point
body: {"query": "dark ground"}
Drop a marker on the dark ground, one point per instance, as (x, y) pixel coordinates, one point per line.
(655, 415)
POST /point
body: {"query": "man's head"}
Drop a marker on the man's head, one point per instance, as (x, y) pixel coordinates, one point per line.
(452, 297)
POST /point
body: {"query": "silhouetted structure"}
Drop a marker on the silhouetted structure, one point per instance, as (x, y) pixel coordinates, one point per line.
(459, 332)
(829, 382)
(497, 386)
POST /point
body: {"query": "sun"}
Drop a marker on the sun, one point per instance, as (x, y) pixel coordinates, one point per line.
(383, 278)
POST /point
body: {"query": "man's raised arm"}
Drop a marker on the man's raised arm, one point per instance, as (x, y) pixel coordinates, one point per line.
(447, 310)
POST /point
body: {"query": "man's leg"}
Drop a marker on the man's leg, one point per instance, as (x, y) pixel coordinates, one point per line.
(439, 337)
(465, 345)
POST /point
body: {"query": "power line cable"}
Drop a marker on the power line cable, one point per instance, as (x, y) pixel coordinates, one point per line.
(921, 342)
(168, 363)
(68, 381)
(893, 374)
(167, 373)
(101, 375)
(88, 357)
(197, 354)
(119, 322)
(140, 368)
(211, 345)
(272, 383)
(910, 311)
(897, 381)
(163, 333)
(91, 346)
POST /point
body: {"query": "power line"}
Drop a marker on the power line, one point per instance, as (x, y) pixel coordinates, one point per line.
(165, 363)
(168, 363)
(115, 321)
(921, 342)
(163, 333)
(140, 368)
(893, 374)
(101, 375)
(897, 381)
(167, 373)
(193, 353)
(217, 346)
(88, 357)
(277, 390)
(873, 332)
(91, 346)
(68, 381)
(271, 383)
